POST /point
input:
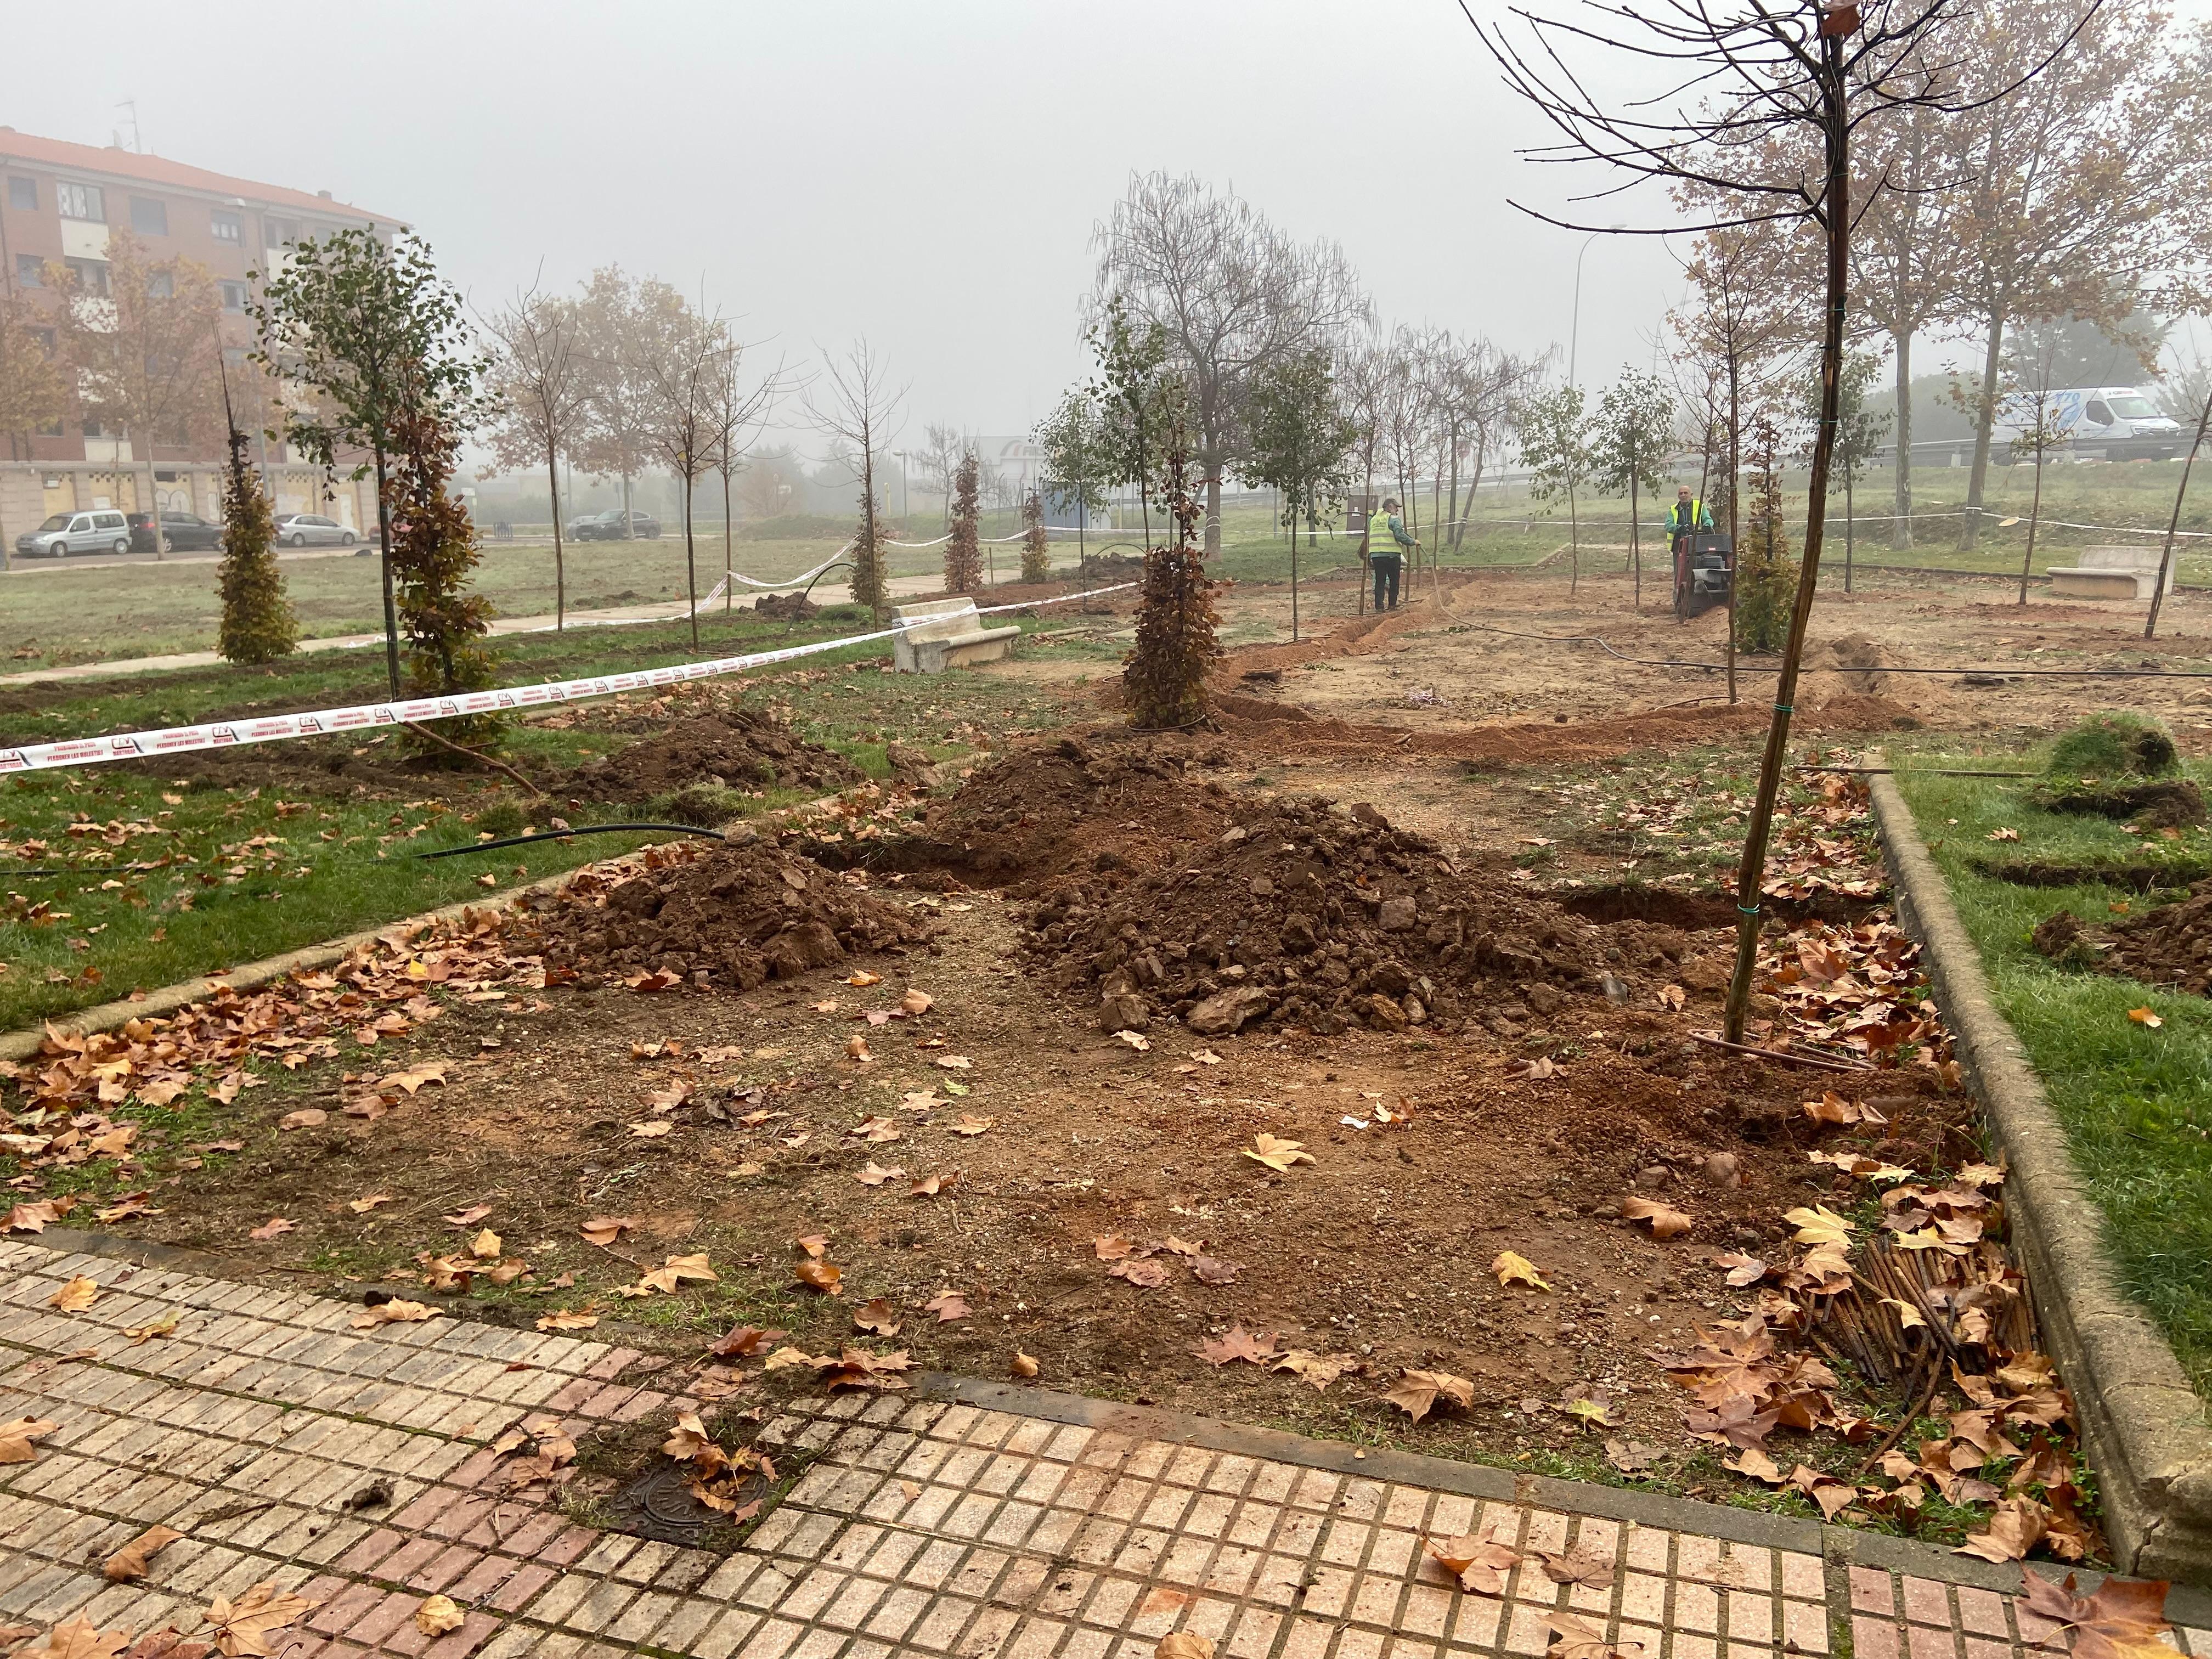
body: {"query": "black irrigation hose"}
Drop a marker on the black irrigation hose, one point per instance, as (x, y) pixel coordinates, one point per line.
(1742, 667)
(563, 835)
(450, 852)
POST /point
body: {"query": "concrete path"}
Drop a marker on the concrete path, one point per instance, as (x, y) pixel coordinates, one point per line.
(976, 1520)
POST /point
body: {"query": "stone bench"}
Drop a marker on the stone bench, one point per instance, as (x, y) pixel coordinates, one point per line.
(2109, 572)
(937, 634)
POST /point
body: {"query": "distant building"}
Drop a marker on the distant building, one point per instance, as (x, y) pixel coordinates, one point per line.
(61, 203)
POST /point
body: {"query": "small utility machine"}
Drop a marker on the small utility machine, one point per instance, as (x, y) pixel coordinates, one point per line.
(1705, 569)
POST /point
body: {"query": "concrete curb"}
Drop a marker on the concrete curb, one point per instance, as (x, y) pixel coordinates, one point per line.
(108, 1016)
(2144, 1426)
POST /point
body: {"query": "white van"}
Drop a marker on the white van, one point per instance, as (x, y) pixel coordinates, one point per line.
(65, 533)
(2117, 421)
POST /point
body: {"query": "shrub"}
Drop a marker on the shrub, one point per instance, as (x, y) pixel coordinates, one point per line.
(1036, 547)
(258, 623)
(1163, 677)
(1765, 575)
(433, 551)
(963, 563)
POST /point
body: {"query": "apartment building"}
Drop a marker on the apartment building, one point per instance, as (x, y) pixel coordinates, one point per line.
(59, 203)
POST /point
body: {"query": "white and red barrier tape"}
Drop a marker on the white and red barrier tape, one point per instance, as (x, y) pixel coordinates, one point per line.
(324, 722)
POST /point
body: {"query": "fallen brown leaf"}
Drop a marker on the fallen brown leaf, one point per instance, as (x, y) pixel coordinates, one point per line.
(75, 1297)
(603, 1230)
(947, 1305)
(1665, 1222)
(1416, 1391)
(276, 1227)
(878, 1316)
(127, 1563)
(1254, 1348)
(1024, 1366)
(1514, 1268)
(394, 1312)
(15, 1437)
(439, 1614)
(1478, 1564)
(242, 1626)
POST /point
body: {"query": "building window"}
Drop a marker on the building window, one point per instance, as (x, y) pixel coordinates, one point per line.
(23, 195)
(82, 202)
(227, 226)
(234, 295)
(92, 429)
(91, 275)
(149, 218)
(161, 285)
(280, 232)
(30, 270)
(48, 339)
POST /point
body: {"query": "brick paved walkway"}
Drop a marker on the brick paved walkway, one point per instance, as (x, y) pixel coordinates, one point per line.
(1046, 1527)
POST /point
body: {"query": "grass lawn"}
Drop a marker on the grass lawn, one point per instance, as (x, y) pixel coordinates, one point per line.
(2136, 1101)
(258, 868)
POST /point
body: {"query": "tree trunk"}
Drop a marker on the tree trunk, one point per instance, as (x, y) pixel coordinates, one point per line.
(2034, 512)
(152, 506)
(1734, 476)
(691, 562)
(1850, 527)
(384, 564)
(2166, 558)
(1213, 508)
(1751, 875)
(1901, 532)
(1985, 415)
(1294, 579)
(729, 553)
(625, 506)
(560, 574)
(1635, 544)
(1574, 542)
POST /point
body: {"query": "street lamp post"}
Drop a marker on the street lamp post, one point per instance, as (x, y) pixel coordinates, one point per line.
(1575, 330)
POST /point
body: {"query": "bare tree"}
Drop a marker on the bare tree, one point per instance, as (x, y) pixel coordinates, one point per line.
(683, 366)
(537, 382)
(1746, 317)
(1768, 76)
(1905, 260)
(1233, 296)
(142, 352)
(32, 389)
(937, 461)
(2057, 219)
(860, 410)
(736, 412)
(622, 327)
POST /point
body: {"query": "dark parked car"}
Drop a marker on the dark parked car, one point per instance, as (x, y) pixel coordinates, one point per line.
(180, 531)
(608, 527)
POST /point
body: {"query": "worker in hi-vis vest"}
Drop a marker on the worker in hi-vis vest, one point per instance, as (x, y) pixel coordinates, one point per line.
(1685, 519)
(1388, 540)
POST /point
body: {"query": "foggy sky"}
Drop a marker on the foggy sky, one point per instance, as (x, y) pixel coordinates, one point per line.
(926, 174)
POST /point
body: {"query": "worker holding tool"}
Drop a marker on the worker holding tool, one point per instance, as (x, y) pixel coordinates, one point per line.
(1685, 519)
(1387, 542)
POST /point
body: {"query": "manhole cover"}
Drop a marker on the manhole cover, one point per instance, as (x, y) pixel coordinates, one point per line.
(658, 1503)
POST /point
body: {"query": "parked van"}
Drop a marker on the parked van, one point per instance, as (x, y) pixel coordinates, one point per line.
(65, 533)
(2117, 421)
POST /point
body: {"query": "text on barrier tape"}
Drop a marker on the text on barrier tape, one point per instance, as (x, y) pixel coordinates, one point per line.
(323, 722)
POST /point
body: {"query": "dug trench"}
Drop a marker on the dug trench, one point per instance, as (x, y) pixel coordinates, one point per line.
(914, 1144)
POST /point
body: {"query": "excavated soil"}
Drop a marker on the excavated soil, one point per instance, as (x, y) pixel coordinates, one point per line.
(2171, 946)
(1309, 913)
(715, 914)
(1102, 802)
(738, 748)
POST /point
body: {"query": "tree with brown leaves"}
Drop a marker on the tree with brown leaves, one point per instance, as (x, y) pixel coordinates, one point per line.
(1037, 546)
(1163, 678)
(964, 568)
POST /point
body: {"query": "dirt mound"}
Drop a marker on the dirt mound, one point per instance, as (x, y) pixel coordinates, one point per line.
(1313, 913)
(785, 607)
(735, 748)
(1044, 811)
(1856, 659)
(2171, 946)
(718, 915)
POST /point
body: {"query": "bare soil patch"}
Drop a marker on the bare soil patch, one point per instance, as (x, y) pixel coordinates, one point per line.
(735, 747)
(713, 913)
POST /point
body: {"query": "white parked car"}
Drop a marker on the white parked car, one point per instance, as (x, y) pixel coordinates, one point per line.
(65, 533)
(311, 530)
